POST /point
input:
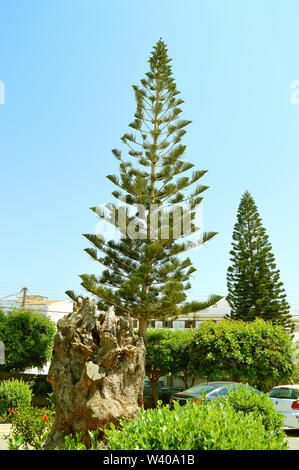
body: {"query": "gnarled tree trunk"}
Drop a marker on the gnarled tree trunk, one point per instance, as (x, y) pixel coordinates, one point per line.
(96, 371)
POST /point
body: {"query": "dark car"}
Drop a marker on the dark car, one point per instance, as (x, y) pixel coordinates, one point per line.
(211, 390)
(147, 385)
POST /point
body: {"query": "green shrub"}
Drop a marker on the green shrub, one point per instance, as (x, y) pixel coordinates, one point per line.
(28, 337)
(14, 393)
(51, 398)
(295, 375)
(247, 401)
(196, 426)
(168, 351)
(256, 352)
(76, 443)
(31, 427)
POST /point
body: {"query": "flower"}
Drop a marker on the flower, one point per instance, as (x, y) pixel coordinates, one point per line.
(45, 418)
(141, 400)
(12, 411)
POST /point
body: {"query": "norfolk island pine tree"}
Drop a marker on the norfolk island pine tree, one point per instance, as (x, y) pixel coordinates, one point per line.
(146, 277)
(253, 281)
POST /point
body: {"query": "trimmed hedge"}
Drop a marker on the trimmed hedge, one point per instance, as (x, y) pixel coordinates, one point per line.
(13, 393)
(256, 352)
(214, 425)
(245, 400)
(28, 337)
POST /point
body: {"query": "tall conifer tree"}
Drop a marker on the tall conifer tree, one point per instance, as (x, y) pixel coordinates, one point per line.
(145, 276)
(253, 281)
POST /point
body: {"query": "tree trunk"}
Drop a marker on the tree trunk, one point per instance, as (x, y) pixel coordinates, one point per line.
(142, 327)
(96, 372)
(155, 391)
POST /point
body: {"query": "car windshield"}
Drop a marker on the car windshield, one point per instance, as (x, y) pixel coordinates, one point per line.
(286, 393)
(217, 388)
(203, 389)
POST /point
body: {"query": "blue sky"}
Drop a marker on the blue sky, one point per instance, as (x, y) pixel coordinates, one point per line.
(68, 67)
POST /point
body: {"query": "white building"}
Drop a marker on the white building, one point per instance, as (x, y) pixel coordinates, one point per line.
(54, 309)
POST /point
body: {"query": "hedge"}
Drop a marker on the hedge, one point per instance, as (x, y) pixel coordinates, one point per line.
(214, 425)
(28, 339)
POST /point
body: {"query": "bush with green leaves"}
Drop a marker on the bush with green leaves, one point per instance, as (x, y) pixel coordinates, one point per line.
(246, 400)
(13, 393)
(256, 352)
(196, 426)
(159, 359)
(168, 351)
(28, 337)
(30, 427)
(76, 443)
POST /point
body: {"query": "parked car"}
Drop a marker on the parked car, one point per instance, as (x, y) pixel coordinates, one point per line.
(286, 400)
(147, 385)
(211, 390)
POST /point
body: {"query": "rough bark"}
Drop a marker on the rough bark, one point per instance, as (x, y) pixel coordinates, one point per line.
(155, 391)
(96, 372)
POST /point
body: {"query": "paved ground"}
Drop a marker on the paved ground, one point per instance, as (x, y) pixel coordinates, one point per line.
(293, 437)
(4, 429)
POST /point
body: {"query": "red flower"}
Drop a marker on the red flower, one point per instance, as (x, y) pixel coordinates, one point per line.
(141, 400)
(45, 418)
(12, 411)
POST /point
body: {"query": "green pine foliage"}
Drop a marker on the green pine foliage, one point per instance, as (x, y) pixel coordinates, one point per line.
(144, 276)
(254, 286)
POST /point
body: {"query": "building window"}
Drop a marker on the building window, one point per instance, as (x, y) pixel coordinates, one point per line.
(168, 324)
(190, 324)
(179, 324)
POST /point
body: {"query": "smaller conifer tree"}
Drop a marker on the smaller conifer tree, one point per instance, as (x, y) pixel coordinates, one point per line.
(253, 281)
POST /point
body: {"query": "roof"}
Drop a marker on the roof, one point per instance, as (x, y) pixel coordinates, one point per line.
(38, 302)
(296, 386)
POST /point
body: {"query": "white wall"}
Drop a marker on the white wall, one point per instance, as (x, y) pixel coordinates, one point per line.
(57, 310)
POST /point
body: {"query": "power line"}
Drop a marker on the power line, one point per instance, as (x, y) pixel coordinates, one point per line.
(11, 295)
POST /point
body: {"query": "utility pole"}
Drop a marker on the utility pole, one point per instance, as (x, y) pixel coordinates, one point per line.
(24, 290)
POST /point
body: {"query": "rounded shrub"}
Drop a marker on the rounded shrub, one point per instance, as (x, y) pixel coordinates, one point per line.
(214, 425)
(28, 337)
(14, 393)
(260, 406)
(257, 352)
